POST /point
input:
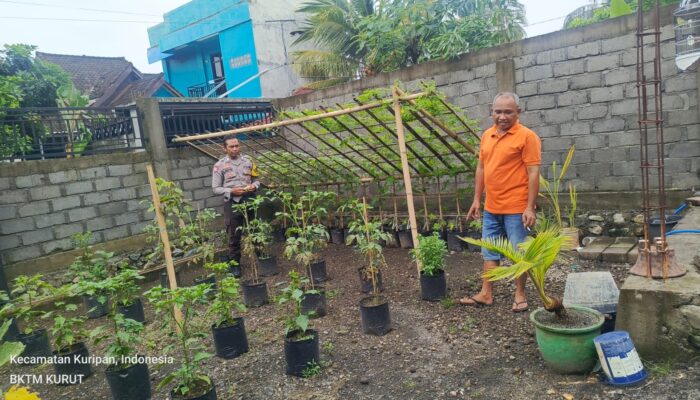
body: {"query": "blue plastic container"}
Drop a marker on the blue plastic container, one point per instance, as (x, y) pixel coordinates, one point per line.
(619, 358)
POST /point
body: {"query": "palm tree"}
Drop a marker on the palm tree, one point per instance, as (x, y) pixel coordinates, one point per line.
(508, 18)
(532, 257)
(332, 27)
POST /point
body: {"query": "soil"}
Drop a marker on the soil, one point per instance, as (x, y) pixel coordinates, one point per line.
(572, 319)
(436, 350)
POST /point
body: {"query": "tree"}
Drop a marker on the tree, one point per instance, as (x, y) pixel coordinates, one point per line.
(615, 9)
(361, 36)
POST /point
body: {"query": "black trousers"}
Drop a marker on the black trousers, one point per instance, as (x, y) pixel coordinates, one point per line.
(234, 220)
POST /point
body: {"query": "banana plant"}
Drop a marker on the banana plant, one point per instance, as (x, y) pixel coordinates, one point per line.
(533, 257)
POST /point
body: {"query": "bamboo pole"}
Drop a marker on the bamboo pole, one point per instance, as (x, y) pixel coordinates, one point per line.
(169, 266)
(406, 173)
(293, 121)
(442, 126)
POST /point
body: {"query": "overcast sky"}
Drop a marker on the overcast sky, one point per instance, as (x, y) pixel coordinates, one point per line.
(114, 28)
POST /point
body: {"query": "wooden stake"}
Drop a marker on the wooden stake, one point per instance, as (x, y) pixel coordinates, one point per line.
(169, 266)
(406, 173)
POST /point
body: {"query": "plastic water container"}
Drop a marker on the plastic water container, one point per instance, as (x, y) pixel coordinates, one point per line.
(619, 358)
(655, 224)
(596, 290)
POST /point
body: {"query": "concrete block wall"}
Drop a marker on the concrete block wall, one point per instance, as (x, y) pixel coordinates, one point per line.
(577, 87)
(44, 203)
(192, 171)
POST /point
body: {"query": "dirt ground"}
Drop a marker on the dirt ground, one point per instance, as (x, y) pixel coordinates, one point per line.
(435, 350)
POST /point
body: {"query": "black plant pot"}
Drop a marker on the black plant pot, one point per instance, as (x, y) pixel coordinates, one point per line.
(209, 395)
(164, 282)
(93, 307)
(454, 243)
(12, 330)
(315, 302)
(374, 313)
(318, 271)
(405, 239)
(337, 236)
(300, 353)
(393, 241)
(443, 234)
(346, 233)
(279, 236)
(433, 288)
(366, 284)
(72, 366)
(236, 270)
(268, 266)
(471, 247)
(230, 341)
(133, 311)
(254, 294)
(131, 383)
(36, 344)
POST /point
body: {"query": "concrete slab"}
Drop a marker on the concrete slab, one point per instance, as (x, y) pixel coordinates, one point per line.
(617, 252)
(662, 316)
(595, 248)
(693, 201)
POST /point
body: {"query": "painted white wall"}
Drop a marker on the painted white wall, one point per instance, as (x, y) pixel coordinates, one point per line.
(281, 80)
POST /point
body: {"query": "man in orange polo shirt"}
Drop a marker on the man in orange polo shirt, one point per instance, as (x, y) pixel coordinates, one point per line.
(509, 170)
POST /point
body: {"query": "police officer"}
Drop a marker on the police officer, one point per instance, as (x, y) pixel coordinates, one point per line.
(236, 178)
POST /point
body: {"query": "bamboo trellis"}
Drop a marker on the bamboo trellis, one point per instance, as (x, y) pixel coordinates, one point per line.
(386, 139)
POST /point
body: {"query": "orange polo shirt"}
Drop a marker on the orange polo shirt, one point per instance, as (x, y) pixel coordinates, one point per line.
(505, 158)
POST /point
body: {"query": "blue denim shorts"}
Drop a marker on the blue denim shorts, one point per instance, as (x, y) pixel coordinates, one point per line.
(504, 225)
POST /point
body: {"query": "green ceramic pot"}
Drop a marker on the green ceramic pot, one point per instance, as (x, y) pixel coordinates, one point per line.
(568, 350)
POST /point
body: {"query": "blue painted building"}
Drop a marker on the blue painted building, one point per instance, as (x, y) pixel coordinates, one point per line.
(231, 48)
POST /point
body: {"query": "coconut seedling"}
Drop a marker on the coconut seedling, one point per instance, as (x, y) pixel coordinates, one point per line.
(568, 350)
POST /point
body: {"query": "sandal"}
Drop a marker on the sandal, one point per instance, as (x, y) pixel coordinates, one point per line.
(472, 302)
(516, 306)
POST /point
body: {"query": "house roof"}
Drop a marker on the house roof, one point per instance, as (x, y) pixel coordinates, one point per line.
(91, 75)
(107, 81)
(144, 87)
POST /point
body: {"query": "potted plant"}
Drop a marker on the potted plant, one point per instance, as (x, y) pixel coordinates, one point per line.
(91, 266)
(68, 335)
(552, 193)
(8, 349)
(439, 226)
(228, 331)
(255, 289)
(431, 253)
(301, 344)
(127, 374)
(374, 309)
(368, 237)
(454, 231)
(124, 290)
(564, 336)
(260, 232)
(190, 381)
(405, 235)
(306, 238)
(27, 290)
(474, 232)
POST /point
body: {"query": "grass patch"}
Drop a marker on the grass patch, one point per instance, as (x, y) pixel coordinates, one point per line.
(333, 293)
(659, 369)
(328, 347)
(447, 303)
(312, 369)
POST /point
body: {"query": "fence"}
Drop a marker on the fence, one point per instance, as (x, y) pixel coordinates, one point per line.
(180, 118)
(43, 133)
